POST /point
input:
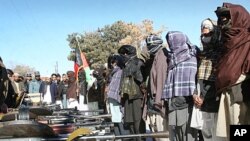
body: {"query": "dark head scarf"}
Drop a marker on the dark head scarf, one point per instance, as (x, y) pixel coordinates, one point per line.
(127, 49)
(154, 43)
(127, 52)
(115, 58)
(236, 42)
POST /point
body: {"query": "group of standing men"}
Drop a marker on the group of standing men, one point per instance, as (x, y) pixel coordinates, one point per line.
(157, 87)
(17, 90)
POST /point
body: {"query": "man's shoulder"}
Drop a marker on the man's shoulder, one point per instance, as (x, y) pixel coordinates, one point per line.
(35, 81)
(21, 82)
(54, 83)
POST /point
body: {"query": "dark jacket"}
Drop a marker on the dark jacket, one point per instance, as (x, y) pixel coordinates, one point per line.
(7, 94)
(53, 90)
(132, 79)
(208, 92)
(62, 89)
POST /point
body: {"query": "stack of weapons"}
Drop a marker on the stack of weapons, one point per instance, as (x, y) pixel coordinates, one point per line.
(60, 124)
(98, 123)
(65, 121)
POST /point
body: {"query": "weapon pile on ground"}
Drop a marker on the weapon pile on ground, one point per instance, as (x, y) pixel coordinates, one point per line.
(53, 123)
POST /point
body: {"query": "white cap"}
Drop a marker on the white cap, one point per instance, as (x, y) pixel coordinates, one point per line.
(16, 74)
(207, 24)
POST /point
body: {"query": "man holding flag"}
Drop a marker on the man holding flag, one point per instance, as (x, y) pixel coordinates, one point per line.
(82, 74)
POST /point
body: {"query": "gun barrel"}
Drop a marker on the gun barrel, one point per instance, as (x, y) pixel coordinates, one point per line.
(154, 135)
(93, 116)
(162, 134)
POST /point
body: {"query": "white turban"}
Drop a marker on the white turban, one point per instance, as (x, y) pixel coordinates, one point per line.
(207, 24)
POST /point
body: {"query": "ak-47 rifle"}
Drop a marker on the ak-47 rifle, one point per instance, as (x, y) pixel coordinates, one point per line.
(162, 134)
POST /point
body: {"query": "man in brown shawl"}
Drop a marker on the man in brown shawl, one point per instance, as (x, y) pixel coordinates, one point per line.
(233, 68)
(72, 90)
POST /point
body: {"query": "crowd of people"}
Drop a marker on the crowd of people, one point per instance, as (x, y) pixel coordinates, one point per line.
(156, 88)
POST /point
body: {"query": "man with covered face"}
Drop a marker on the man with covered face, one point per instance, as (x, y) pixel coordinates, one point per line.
(180, 85)
(154, 74)
(130, 88)
(233, 68)
(207, 99)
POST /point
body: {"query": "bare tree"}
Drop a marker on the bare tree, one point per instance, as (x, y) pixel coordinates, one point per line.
(23, 69)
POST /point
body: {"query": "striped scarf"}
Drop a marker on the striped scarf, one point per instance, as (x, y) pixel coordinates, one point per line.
(114, 86)
(182, 66)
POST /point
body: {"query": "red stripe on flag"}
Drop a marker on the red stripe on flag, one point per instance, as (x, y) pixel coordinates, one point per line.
(76, 67)
(84, 60)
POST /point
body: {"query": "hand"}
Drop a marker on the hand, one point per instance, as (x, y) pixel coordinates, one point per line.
(106, 89)
(198, 101)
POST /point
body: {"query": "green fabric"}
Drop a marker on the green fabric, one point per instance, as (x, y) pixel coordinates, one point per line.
(128, 86)
(87, 73)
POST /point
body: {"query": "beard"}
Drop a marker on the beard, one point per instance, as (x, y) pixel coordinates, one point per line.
(47, 82)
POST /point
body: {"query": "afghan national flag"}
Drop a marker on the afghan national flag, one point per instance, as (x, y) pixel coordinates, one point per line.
(81, 61)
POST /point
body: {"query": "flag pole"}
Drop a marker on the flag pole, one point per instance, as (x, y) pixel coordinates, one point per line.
(80, 52)
(77, 80)
(80, 67)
